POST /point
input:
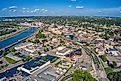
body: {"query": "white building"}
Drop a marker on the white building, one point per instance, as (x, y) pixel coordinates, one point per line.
(62, 51)
(33, 70)
(23, 46)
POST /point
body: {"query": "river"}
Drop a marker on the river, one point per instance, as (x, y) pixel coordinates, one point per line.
(17, 38)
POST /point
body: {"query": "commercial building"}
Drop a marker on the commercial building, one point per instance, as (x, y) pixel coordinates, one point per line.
(73, 56)
(62, 51)
(35, 66)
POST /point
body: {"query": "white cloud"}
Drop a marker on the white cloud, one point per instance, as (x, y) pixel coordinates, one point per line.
(12, 10)
(23, 8)
(42, 9)
(32, 11)
(35, 10)
(77, 12)
(12, 7)
(28, 11)
(69, 6)
(79, 7)
(4, 9)
(46, 10)
(73, 0)
(99, 11)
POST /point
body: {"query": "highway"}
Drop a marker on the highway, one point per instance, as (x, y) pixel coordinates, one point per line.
(97, 65)
(99, 69)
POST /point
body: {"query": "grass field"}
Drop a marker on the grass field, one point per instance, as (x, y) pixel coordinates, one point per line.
(9, 60)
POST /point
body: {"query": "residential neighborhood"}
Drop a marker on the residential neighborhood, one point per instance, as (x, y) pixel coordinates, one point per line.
(46, 51)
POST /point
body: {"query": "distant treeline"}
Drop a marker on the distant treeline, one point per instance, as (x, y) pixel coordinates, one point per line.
(62, 20)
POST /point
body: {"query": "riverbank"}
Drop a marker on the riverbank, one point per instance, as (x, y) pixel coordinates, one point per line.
(17, 38)
(2, 38)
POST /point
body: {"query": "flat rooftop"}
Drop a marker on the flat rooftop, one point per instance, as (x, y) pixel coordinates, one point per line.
(64, 50)
(48, 74)
(11, 72)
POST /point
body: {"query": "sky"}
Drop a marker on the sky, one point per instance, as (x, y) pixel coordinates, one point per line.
(10, 8)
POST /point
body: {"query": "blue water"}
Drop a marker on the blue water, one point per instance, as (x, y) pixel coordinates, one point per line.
(17, 37)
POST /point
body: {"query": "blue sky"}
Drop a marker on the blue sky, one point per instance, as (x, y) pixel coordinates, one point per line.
(60, 8)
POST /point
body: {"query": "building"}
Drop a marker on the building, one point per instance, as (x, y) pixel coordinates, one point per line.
(112, 51)
(35, 66)
(28, 48)
(23, 46)
(62, 51)
(73, 56)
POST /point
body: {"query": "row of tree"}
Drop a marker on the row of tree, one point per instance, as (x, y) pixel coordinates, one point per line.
(7, 31)
(62, 20)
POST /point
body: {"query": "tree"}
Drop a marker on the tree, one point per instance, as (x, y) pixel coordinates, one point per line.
(29, 40)
(39, 53)
(80, 75)
(114, 64)
(52, 47)
(40, 35)
(43, 40)
(55, 26)
(26, 59)
(108, 70)
(103, 57)
(105, 36)
(12, 50)
(36, 41)
(114, 76)
(4, 53)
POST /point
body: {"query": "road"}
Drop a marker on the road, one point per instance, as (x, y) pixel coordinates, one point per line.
(11, 66)
(97, 65)
(66, 77)
(99, 69)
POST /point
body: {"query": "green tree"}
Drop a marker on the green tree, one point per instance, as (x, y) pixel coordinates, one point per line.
(39, 53)
(103, 57)
(108, 70)
(26, 59)
(114, 64)
(4, 53)
(80, 75)
(40, 35)
(43, 40)
(36, 41)
(114, 76)
(12, 50)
